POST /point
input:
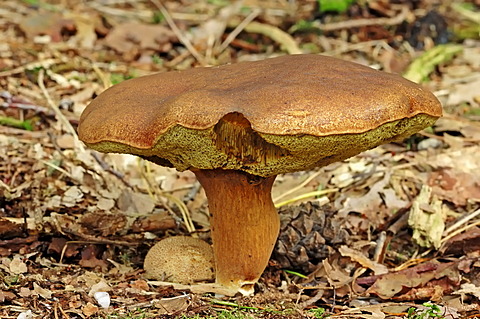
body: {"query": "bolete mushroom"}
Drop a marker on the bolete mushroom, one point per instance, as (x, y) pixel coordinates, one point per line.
(238, 126)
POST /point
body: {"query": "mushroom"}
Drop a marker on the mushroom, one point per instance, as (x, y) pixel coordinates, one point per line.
(238, 126)
(180, 259)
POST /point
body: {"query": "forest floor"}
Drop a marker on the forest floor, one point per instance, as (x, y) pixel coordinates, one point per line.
(395, 230)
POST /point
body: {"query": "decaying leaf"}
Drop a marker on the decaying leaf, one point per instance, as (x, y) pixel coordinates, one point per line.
(454, 186)
(468, 288)
(465, 92)
(172, 305)
(89, 309)
(48, 23)
(396, 284)
(463, 243)
(102, 223)
(45, 293)
(379, 198)
(17, 266)
(133, 35)
(136, 203)
(357, 256)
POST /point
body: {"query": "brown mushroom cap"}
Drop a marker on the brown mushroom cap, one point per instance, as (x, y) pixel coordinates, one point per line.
(180, 259)
(268, 117)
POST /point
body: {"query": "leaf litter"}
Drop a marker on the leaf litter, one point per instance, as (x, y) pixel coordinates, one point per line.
(75, 225)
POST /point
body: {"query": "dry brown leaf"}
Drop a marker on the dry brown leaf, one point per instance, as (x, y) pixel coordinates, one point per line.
(17, 266)
(42, 292)
(85, 35)
(25, 292)
(89, 309)
(357, 256)
(101, 286)
(57, 245)
(135, 203)
(66, 141)
(465, 92)
(90, 260)
(379, 200)
(105, 204)
(337, 277)
(172, 305)
(48, 23)
(103, 223)
(376, 312)
(133, 35)
(470, 289)
(454, 186)
(72, 196)
(389, 285)
(463, 243)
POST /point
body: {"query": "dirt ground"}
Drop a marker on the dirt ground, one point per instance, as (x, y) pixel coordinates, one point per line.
(390, 233)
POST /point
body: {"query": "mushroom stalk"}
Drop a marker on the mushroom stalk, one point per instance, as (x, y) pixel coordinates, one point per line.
(244, 225)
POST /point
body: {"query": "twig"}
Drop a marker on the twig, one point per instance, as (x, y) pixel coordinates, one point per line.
(57, 111)
(306, 195)
(239, 28)
(105, 80)
(380, 248)
(299, 187)
(2, 184)
(61, 170)
(365, 22)
(106, 167)
(44, 64)
(155, 192)
(183, 39)
(462, 221)
(458, 231)
(15, 102)
(286, 41)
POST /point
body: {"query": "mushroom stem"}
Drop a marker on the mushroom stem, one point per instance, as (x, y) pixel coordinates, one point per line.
(244, 225)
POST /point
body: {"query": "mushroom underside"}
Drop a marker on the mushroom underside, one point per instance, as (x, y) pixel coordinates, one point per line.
(232, 144)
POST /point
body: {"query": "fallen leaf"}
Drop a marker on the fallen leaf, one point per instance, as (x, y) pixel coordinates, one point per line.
(105, 204)
(17, 266)
(47, 23)
(370, 204)
(90, 260)
(42, 292)
(103, 223)
(90, 309)
(57, 245)
(389, 285)
(66, 141)
(72, 196)
(470, 289)
(465, 92)
(463, 243)
(357, 256)
(130, 202)
(85, 35)
(126, 37)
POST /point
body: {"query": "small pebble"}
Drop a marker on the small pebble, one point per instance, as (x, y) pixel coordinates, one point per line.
(429, 143)
(103, 299)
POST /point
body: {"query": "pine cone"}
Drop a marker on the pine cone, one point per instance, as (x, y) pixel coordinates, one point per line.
(308, 233)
